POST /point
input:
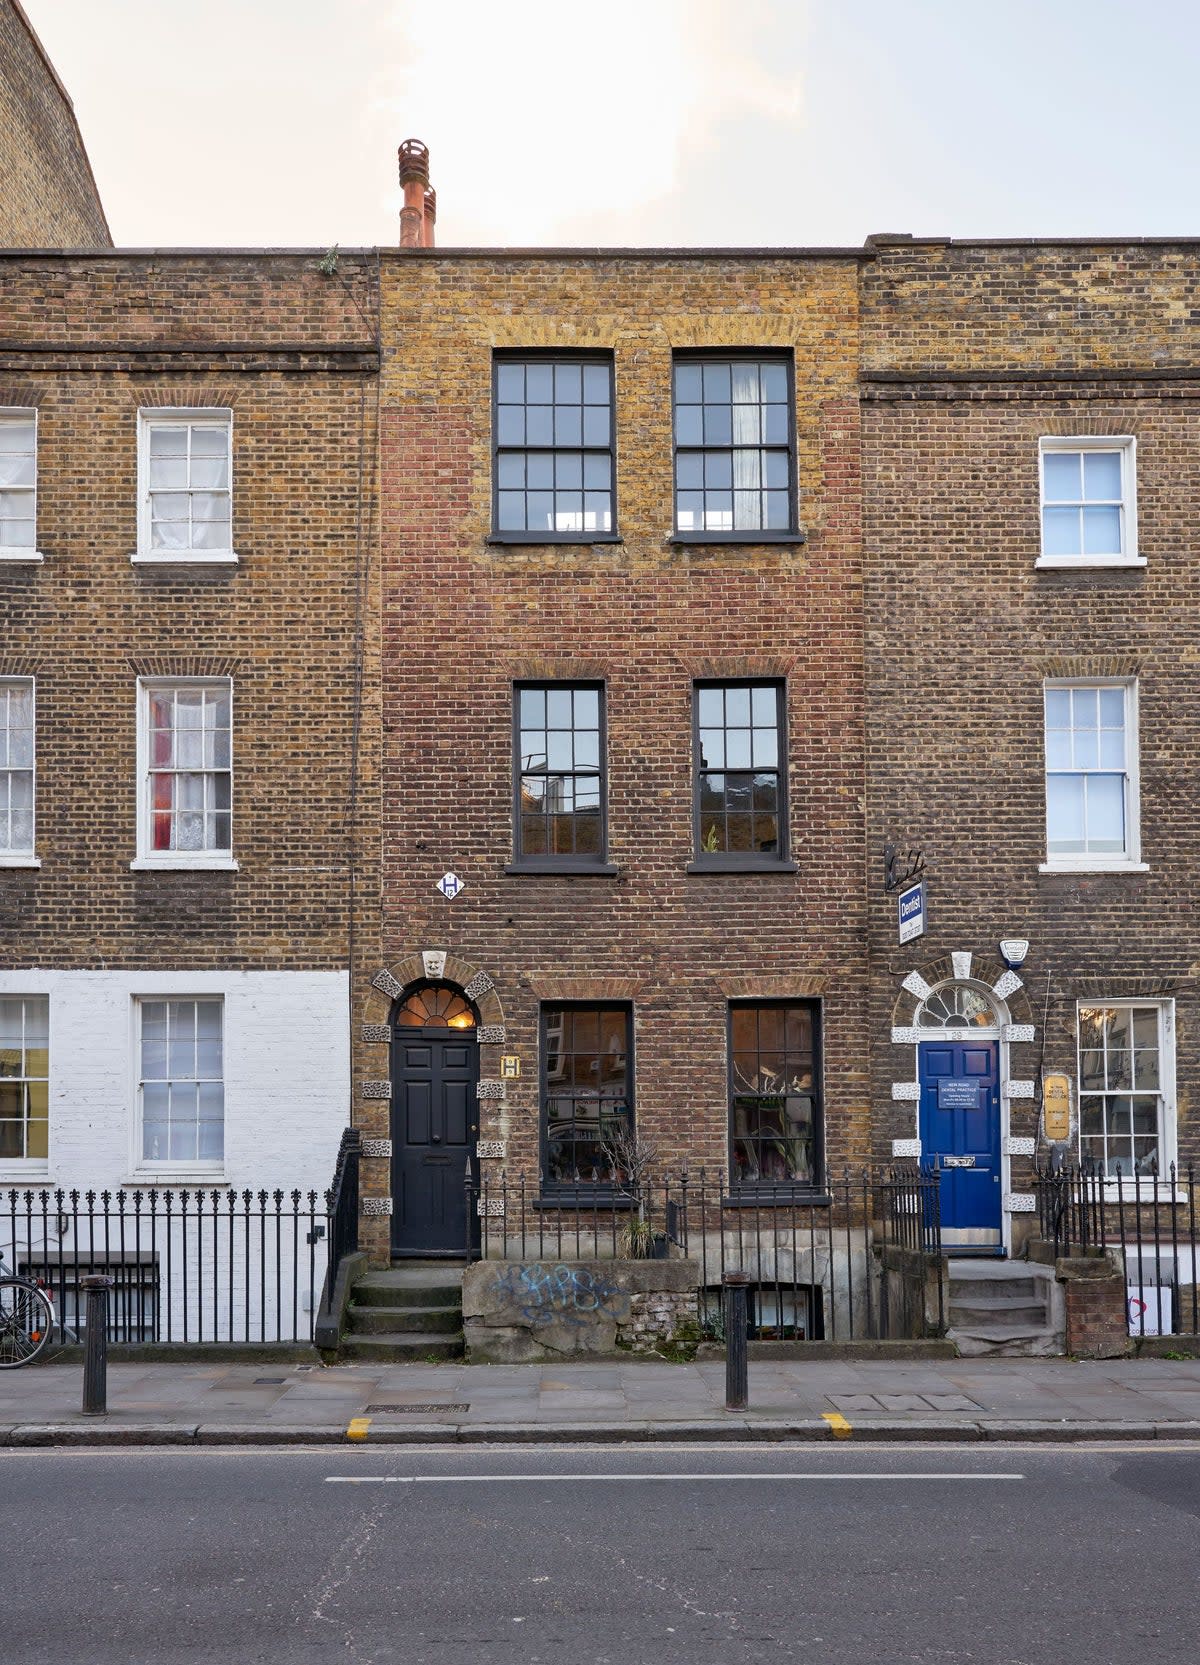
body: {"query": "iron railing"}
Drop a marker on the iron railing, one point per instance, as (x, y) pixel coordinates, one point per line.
(860, 1259)
(342, 1203)
(189, 1266)
(1150, 1219)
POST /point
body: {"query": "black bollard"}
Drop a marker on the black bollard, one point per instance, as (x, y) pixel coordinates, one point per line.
(737, 1389)
(95, 1351)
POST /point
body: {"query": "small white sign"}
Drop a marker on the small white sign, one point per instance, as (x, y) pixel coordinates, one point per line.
(910, 912)
(449, 884)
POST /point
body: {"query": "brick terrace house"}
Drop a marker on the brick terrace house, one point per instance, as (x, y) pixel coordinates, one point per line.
(1029, 431)
(186, 524)
(622, 681)
(48, 194)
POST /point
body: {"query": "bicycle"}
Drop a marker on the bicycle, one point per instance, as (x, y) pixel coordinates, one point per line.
(26, 1319)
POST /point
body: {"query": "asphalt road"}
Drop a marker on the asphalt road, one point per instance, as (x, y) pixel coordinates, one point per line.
(840, 1555)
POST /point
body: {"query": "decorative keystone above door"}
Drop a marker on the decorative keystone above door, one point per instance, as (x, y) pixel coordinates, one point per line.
(434, 961)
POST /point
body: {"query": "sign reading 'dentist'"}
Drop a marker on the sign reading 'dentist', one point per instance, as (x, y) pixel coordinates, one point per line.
(910, 912)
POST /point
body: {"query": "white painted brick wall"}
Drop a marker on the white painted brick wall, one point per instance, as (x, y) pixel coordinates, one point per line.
(287, 1074)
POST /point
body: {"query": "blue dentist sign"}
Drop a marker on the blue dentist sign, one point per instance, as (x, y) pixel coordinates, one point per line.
(910, 912)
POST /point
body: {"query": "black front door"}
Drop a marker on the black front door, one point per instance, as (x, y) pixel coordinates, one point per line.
(435, 1122)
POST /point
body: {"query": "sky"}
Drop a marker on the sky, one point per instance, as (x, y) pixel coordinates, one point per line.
(275, 123)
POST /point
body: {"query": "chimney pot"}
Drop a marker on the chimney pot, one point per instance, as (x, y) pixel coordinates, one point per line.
(430, 214)
(414, 176)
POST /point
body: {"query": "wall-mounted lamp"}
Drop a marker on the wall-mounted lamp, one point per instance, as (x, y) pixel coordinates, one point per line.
(1013, 951)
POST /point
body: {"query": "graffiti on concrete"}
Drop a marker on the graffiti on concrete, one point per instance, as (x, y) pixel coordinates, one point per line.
(572, 1295)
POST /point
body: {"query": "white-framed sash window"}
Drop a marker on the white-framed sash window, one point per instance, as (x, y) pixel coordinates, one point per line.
(24, 1079)
(181, 1083)
(18, 485)
(185, 773)
(185, 486)
(1127, 1087)
(1088, 502)
(1091, 755)
(17, 771)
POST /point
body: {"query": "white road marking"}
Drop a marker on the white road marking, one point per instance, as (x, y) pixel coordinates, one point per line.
(537, 1479)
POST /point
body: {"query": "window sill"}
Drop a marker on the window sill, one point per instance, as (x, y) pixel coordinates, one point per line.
(22, 1173)
(157, 864)
(1107, 867)
(1142, 1190)
(777, 1196)
(717, 864)
(174, 1180)
(19, 557)
(1086, 563)
(737, 537)
(573, 869)
(185, 558)
(600, 1202)
(20, 861)
(534, 540)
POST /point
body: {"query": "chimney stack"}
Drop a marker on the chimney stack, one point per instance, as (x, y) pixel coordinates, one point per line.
(416, 222)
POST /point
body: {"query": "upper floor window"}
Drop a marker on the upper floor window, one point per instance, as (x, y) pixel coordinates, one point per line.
(16, 770)
(774, 1093)
(1089, 504)
(559, 767)
(733, 447)
(1127, 1086)
(740, 809)
(554, 449)
(18, 485)
(181, 1082)
(24, 1077)
(184, 486)
(186, 769)
(1091, 775)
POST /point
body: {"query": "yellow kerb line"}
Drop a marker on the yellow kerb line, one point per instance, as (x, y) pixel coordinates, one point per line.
(357, 1427)
(838, 1426)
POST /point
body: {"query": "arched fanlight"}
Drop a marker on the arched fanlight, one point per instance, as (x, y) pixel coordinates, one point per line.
(435, 1007)
(957, 1006)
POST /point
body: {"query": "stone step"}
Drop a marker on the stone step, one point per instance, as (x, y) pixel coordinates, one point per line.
(976, 1311)
(401, 1349)
(372, 1319)
(971, 1289)
(1014, 1341)
(411, 1287)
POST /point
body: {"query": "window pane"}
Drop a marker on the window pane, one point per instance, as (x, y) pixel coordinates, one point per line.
(510, 382)
(1061, 534)
(688, 384)
(1102, 476)
(1062, 476)
(539, 425)
(1064, 814)
(210, 442)
(1106, 813)
(1102, 531)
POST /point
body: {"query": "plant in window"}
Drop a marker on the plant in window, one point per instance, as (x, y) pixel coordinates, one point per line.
(632, 1160)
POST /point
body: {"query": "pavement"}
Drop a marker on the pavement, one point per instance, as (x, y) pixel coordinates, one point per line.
(219, 1403)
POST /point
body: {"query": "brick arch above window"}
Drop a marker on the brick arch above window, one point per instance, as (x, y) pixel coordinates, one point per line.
(21, 395)
(183, 396)
(186, 664)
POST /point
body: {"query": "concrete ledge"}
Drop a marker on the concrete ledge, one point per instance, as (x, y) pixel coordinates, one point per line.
(195, 1352)
(936, 1348)
(1166, 1346)
(96, 1431)
(1029, 1432)
(265, 1433)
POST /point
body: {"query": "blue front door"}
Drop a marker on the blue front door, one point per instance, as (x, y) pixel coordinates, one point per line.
(960, 1131)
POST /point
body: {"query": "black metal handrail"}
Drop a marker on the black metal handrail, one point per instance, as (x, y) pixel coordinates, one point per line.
(343, 1208)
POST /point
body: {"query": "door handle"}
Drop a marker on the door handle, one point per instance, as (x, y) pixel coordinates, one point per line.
(435, 1138)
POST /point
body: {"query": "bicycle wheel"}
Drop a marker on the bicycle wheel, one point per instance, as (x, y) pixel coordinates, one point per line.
(25, 1319)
